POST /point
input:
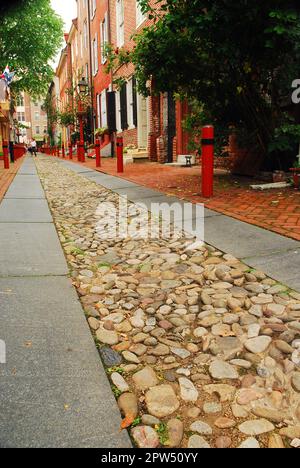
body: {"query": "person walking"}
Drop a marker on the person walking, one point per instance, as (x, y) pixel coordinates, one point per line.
(34, 147)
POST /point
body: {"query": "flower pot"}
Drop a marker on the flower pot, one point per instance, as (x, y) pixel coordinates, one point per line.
(296, 179)
(279, 176)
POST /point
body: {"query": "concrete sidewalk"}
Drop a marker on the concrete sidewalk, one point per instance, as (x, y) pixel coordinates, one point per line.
(276, 255)
(53, 389)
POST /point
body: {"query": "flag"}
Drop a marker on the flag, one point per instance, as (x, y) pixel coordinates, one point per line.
(7, 75)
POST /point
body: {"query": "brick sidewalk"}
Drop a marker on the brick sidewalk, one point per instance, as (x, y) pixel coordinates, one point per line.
(274, 210)
(8, 175)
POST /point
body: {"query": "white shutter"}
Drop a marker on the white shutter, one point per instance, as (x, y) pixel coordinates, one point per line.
(130, 104)
(103, 109)
(99, 110)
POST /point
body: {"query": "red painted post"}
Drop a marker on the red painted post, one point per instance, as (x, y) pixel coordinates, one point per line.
(208, 161)
(120, 162)
(5, 154)
(70, 150)
(63, 151)
(82, 151)
(98, 153)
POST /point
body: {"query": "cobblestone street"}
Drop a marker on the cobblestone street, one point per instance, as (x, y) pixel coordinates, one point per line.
(200, 349)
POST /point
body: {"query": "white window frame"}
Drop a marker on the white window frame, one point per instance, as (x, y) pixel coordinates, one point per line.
(95, 61)
(93, 7)
(85, 35)
(103, 109)
(140, 17)
(118, 112)
(120, 12)
(129, 94)
(104, 38)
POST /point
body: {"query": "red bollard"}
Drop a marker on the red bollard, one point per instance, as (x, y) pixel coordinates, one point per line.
(120, 162)
(82, 152)
(78, 151)
(5, 154)
(98, 153)
(70, 151)
(208, 133)
(63, 151)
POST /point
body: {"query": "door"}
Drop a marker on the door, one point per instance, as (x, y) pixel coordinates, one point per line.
(142, 122)
(171, 125)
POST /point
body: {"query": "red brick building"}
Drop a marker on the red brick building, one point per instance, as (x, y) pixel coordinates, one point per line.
(65, 75)
(153, 125)
(101, 80)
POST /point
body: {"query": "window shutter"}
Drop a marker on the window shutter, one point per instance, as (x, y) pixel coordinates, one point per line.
(134, 98)
(123, 98)
(111, 111)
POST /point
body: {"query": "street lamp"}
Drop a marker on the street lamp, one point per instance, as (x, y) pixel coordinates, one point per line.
(82, 86)
(81, 89)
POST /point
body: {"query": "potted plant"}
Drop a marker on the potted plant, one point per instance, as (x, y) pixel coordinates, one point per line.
(296, 174)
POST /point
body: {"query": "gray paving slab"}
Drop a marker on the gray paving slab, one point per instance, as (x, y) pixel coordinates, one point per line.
(24, 210)
(25, 186)
(76, 167)
(30, 249)
(245, 240)
(137, 193)
(59, 413)
(165, 203)
(28, 167)
(283, 266)
(115, 183)
(54, 391)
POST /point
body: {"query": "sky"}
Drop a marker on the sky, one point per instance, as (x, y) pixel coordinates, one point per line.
(67, 9)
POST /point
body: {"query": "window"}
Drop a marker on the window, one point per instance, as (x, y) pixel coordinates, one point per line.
(37, 130)
(130, 103)
(104, 38)
(85, 35)
(140, 16)
(95, 55)
(93, 7)
(21, 116)
(120, 23)
(103, 109)
(20, 101)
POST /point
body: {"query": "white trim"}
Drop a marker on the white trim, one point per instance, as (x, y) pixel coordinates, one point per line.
(140, 17)
(103, 109)
(104, 38)
(130, 104)
(120, 23)
(118, 112)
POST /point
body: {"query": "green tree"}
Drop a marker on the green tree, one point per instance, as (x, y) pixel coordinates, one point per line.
(31, 35)
(236, 60)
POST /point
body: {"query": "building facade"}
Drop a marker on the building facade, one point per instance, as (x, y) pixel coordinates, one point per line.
(64, 74)
(151, 127)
